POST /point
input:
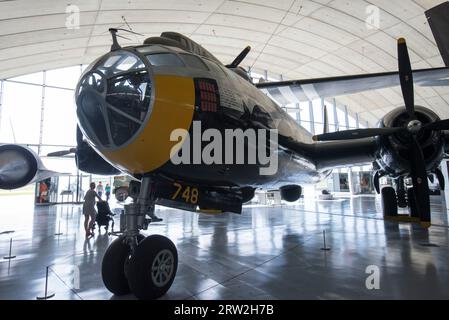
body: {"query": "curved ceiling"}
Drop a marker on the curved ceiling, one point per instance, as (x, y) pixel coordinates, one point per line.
(293, 38)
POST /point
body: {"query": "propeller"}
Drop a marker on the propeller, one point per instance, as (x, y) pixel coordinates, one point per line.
(239, 58)
(406, 78)
(61, 153)
(413, 127)
(418, 170)
(325, 120)
(419, 180)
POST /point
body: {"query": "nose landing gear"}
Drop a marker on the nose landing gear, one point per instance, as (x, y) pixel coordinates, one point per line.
(392, 198)
(143, 266)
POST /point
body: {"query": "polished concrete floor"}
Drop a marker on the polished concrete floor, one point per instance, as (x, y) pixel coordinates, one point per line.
(265, 253)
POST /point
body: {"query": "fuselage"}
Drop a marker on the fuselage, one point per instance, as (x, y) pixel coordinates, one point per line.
(131, 100)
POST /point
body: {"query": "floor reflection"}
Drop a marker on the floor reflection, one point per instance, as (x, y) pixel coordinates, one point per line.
(265, 253)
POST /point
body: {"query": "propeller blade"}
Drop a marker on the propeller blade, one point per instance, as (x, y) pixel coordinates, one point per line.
(406, 77)
(356, 134)
(438, 125)
(420, 183)
(61, 153)
(239, 58)
(325, 120)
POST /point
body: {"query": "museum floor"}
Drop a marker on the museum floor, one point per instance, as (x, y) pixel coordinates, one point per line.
(265, 253)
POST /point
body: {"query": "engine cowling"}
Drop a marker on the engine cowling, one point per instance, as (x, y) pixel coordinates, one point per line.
(89, 161)
(393, 156)
(18, 166)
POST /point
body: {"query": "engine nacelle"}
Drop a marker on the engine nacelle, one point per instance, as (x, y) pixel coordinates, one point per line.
(19, 166)
(290, 193)
(393, 155)
(89, 161)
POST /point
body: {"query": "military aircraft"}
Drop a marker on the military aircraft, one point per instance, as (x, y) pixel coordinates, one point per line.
(132, 100)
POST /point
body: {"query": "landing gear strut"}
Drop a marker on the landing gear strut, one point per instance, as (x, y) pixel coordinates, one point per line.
(143, 266)
(401, 193)
(392, 198)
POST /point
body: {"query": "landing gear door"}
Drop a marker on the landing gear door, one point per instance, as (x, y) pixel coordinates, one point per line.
(201, 197)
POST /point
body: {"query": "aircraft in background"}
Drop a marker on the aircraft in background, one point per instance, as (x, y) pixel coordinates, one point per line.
(130, 101)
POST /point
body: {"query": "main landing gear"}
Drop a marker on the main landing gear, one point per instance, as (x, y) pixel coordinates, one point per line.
(144, 266)
(399, 196)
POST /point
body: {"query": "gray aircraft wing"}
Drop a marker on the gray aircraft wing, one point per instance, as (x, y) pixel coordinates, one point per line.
(309, 89)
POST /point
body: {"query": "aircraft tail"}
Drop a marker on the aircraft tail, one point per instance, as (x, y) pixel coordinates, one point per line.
(438, 18)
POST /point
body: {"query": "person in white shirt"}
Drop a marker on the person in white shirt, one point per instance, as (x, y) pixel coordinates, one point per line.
(89, 210)
(100, 189)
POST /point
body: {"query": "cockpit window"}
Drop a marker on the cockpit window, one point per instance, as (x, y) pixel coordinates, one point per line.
(194, 62)
(112, 60)
(119, 62)
(165, 59)
(113, 99)
(150, 49)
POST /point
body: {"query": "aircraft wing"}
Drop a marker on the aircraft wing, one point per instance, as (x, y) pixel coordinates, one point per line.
(284, 92)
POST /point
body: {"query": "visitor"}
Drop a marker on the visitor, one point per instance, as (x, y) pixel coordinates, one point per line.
(89, 210)
(107, 190)
(100, 189)
(43, 192)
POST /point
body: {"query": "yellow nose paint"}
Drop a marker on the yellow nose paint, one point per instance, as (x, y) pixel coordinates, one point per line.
(173, 108)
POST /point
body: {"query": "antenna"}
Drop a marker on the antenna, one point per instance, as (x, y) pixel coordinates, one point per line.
(115, 45)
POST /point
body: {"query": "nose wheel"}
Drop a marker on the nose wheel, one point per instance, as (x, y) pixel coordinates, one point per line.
(114, 263)
(152, 267)
(148, 272)
(401, 197)
(143, 266)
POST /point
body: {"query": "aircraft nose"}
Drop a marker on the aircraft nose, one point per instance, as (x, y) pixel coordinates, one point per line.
(113, 99)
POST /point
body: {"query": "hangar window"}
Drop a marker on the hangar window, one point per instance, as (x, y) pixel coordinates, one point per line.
(165, 59)
(194, 62)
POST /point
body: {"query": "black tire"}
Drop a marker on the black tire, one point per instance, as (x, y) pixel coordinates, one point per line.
(290, 193)
(113, 266)
(402, 200)
(412, 203)
(247, 194)
(389, 202)
(142, 278)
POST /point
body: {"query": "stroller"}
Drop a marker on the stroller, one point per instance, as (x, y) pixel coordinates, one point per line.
(104, 216)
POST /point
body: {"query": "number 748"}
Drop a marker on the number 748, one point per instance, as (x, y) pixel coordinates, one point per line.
(189, 194)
